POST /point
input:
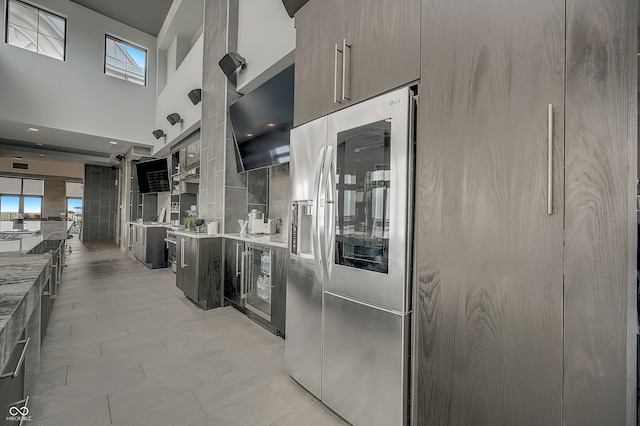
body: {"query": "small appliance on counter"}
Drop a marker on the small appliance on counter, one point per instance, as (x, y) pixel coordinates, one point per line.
(257, 224)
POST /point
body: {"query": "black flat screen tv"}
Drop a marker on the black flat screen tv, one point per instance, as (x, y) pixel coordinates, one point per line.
(261, 121)
(153, 176)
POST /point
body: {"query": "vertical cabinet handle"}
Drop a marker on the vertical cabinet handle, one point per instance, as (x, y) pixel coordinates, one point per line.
(550, 159)
(182, 264)
(15, 372)
(345, 96)
(238, 271)
(335, 74)
(243, 277)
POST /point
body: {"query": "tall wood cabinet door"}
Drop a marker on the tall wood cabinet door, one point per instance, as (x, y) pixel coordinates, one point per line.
(319, 25)
(600, 226)
(488, 295)
(384, 52)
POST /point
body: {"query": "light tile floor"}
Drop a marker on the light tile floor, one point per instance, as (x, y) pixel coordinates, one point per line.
(125, 347)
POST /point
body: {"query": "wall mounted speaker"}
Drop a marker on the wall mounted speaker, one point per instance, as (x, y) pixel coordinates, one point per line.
(230, 63)
(158, 133)
(195, 96)
(293, 6)
(174, 118)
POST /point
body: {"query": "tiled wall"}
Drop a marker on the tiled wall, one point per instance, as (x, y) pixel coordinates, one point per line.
(100, 204)
(220, 36)
(226, 195)
(279, 196)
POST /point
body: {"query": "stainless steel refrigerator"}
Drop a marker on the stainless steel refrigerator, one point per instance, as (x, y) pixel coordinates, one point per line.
(349, 278)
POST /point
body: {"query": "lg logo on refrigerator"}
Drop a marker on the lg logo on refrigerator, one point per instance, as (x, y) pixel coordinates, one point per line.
(395, 102)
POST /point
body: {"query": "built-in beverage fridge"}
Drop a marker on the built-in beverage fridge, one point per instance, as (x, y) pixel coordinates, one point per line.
(349, 279)
(254, 283)
(258, 281)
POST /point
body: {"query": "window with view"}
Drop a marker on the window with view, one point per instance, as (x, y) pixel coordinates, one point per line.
(122, 60)
(20, 198)
(34, 29)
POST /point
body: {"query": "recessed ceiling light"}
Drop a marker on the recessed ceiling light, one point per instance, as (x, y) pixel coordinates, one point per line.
(249, 135)
(32, 129)
(17, 158)
(39, 144)
(113, 143)
(190, 155)
(41, 155)
(271, 125)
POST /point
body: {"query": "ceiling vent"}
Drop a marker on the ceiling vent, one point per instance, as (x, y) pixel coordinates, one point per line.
(137, 152)
(21, 166)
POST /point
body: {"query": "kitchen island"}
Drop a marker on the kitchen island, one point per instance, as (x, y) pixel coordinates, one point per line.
(31, 259)
(25, 305)
(26, 236)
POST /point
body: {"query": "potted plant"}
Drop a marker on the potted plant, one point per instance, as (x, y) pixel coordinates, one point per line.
(190, 221)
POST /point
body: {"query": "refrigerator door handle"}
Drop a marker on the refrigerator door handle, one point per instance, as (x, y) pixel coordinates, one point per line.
(328, 188)
(315, 225)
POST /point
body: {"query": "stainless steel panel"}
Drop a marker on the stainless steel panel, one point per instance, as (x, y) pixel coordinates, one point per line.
(385, 290)
(303, 345)
(305, 146)
(365, 363)
(488, 298)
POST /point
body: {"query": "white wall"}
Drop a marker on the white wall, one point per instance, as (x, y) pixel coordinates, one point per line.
(187, 76)
(47, 168)
(266, 39)
(76, 95)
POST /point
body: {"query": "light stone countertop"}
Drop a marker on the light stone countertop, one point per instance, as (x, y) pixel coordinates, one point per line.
(192, 234)
(33, 232)
(150, 224)
(22, 279)
(275, 240)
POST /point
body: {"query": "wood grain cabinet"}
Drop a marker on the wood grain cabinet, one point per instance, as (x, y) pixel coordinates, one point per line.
(522, 219)
(489, 262)
(347, 52)
(148, 245)
(199, 270)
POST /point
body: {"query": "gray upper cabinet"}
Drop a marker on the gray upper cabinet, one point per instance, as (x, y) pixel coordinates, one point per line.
(317, 25)
(384, 52)
(488, 298)
(347, 52)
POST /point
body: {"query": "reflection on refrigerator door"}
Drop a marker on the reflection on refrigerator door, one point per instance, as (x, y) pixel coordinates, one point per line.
(303, 345)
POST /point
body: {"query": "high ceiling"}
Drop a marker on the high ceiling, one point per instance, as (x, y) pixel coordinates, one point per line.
(57, 145)
(144, 15)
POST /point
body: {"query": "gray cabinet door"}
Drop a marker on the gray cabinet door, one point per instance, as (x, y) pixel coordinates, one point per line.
(279, 265)
(318, 28)
(488, 298)
(384, 36)
(181, 272)
(600, 209)
(190, 286)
